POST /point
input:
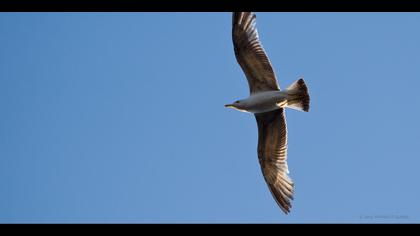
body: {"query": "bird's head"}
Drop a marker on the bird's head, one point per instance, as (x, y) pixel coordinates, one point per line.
(238, 105)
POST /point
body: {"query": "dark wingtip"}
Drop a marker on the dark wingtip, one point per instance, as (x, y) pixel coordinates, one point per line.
(283, 201)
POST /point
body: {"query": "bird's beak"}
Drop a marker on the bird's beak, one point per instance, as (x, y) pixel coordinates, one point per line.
(229, 106)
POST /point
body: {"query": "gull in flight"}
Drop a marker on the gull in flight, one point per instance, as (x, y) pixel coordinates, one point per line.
(267, 102)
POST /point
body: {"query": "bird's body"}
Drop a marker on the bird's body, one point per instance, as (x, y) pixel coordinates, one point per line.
(269, 100)
(262, 102)
(268, 104)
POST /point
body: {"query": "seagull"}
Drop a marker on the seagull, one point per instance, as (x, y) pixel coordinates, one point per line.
(267, 102)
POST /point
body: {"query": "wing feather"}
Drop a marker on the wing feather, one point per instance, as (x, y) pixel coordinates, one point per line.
(250, 53)
(272, 155)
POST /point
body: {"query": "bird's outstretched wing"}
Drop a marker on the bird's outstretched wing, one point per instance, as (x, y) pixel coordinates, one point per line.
(251, 55)
(272, 154)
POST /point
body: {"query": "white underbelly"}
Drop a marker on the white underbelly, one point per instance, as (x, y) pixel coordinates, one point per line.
(265, 101)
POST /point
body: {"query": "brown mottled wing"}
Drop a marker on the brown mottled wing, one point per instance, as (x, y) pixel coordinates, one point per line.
(272, 154)
(251, 55)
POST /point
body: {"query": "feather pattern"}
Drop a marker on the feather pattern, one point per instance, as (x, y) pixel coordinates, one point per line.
(272, 155)
(250, 53)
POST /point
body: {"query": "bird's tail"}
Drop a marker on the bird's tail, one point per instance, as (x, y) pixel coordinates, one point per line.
(298, 96)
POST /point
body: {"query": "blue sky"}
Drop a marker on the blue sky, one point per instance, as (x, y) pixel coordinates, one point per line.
(119, 117)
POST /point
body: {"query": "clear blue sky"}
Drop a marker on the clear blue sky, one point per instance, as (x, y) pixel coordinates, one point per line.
(119, 117)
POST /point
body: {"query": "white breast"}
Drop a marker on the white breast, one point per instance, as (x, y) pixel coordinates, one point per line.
(264, 101)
